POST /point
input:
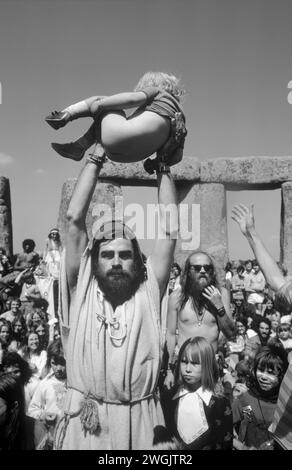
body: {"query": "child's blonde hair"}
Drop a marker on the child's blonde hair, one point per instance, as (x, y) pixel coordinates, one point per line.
(198, 349)
(162, 80)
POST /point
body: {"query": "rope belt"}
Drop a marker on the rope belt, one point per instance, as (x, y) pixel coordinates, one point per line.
(89, 415)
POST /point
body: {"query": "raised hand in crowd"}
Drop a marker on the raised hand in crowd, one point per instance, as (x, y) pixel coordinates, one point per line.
(244, 216)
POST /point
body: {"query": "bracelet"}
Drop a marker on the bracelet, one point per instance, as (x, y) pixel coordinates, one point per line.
(221, 312)
(162, 168)
(96, 159)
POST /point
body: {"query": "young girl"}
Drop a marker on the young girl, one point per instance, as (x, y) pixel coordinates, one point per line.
(202, 418)
(253, 411)
(157, 97)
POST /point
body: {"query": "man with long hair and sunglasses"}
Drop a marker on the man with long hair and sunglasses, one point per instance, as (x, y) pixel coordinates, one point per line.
(198, 308)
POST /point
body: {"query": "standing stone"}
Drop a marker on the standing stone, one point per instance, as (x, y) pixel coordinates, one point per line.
(286, 227)
(105, 204)
(5, 216)
(205, 226)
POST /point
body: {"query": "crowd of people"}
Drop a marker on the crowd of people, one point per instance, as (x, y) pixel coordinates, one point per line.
(103, 348)
(31, 351)
(239, 366)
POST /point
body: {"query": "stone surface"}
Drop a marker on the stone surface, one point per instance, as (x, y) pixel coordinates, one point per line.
(247, 170)
(286, 227)
(187, 170)
(207, 223)
(5, 216)
(108, 196)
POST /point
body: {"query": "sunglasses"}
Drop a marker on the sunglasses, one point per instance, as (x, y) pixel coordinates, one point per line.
(197, 267)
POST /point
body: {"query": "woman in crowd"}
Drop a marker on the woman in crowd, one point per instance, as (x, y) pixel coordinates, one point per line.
(5, 337)
(235, 347)
(268, 308)
(36, 357)
(34, 318)
(19, 331)
(42, 331)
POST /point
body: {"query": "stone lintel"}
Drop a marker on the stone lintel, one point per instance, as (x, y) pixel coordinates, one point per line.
(130, 173)
(247, 170)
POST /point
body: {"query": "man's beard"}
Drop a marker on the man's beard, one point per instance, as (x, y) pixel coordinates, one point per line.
(117, 285)
(263, 339)
(196, 287)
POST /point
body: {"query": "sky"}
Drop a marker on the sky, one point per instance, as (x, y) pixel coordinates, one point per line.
(234, 59)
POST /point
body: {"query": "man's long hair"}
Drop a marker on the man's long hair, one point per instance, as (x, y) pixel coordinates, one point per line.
(186, 280)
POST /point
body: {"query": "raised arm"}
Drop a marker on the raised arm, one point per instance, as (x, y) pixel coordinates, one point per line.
(171, 325)
(119, 101)
(162, 255)
(245, 218)
(76, 236)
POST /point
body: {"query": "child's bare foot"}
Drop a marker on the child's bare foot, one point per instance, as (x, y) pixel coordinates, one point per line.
(73, 150)
(58, 119)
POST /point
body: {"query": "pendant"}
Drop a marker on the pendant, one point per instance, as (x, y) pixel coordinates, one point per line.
(115, 324)
(199, 323)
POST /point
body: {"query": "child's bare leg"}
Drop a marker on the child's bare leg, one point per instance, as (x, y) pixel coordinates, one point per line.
(59, 119)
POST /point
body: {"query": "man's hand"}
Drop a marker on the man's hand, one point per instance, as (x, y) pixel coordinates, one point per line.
(244, 216)
(214, 296)
(169, 380)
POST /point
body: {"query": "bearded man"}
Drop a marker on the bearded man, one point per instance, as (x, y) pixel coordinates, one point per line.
(198, 308)
(110, 323)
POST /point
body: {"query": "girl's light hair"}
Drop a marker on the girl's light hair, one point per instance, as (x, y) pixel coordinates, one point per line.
(198, 349)
(162, 80)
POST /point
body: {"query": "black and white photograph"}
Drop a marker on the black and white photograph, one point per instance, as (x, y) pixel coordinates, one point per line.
(145, 228)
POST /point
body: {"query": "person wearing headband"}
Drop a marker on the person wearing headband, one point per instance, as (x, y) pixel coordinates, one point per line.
(110, 318)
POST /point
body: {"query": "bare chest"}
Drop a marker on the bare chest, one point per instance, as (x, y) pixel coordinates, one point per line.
(190, 315)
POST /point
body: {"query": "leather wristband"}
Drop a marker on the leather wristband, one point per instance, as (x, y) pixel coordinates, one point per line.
(96, 159)
(162, 168)
(221, 312)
